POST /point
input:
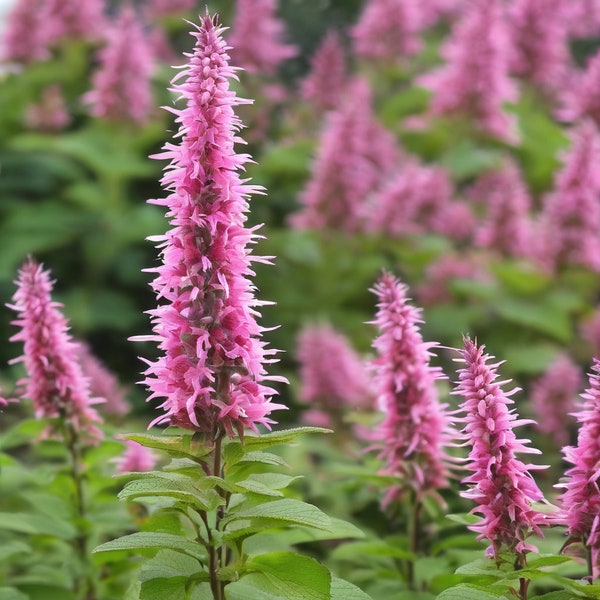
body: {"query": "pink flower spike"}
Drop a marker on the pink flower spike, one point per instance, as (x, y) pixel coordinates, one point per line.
(580, 501)
(553, 397)
(75, 19)
(388, 30)
(54, 381)
(257, 37)
(211, 374)
(136, 459)
(474, 83)
(500, 484)
(324, 84)
(121, 85)
(581, 100)
(26, 35)
(415, 430)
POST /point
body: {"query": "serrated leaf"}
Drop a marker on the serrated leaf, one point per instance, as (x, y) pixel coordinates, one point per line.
(282, 576)
(469, 592)
(278, 438)
(256, 487)
(181, 489)
(266, 458)
(150, 540)
(286, 511)
(344, 590)
(167, 564)
(485, 566)
(173, 588)
(178, 446)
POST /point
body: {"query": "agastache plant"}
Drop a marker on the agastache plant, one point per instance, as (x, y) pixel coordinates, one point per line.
(211, 374)
(500, 484)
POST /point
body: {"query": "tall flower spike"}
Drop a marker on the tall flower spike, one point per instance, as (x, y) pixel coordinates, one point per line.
(541, 53)
(553, 397)
(333, 377)
(580, 501)
(324, 84)
(500, 484)
(415, 429)
(355, 155)
(121, 85)
(474, 83)
(212, 372)
(80, 19)
(570, 216)
(25, 37)
(257, 37)
(507, 227)
(54, 381)
(388, 30)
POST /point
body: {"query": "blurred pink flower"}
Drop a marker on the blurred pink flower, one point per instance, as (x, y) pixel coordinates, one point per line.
(333, 376)
(433, 10)
(50, 113)
(415, 430)
(354, 156)
(582, 17)
(581, 99)
(507, 226)
(158, 9)
(553, 397)
(580, 501)
(388, 29)
(327, 78)
(121, 85)
(256, 38)
(79, 19)
(54, 381)
(570, 216)
(26, 35)
(500, 484)
(136, 459)
(102, 382)
(212, 372)
(474, 82)
(540, 43)
(418, 199)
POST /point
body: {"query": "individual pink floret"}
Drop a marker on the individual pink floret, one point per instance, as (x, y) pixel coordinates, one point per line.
(581, 100)
(136, 459)
(540, 43)
(388, 30)
(474, 83)
(570, 217)
(580, 500)
(211, 374)
(355, 155)
(507, 226)
(553, 397)
(415, 429)
(327, 78)
(500, 484)
(26, 36)
(103, 383)
(333, 376)
(54, 381)
(121, 86)
(257, 35)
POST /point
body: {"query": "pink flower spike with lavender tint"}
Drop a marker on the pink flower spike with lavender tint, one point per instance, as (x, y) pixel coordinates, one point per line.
(121, 86)
(25, 37)
(415, 430)
(500, 484)
(580, 501)
(211, 374)
(54, 381)
(136, 459)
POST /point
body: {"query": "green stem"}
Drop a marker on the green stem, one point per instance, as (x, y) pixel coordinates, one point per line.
(414, 531)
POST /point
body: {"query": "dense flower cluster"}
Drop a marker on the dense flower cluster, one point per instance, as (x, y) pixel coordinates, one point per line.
(500, 484)
(54, 382)
(415, 429)
(212, 371)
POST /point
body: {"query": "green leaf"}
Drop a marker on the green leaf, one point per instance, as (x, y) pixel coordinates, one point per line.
(283, 512)
(150, 540)
(167, 564)
(281, 576)
(278, 438)
(485, 566)
(266, 458)
(8, 593)
(173, 588)
(463, 518)
(344, 590)
(181, 489)
(178, 446)
(356, 551)
(37, 525)
(22, 433)
(465, 591)
(12, 548)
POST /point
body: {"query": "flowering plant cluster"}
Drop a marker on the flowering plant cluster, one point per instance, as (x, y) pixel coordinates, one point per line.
(426, 175)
